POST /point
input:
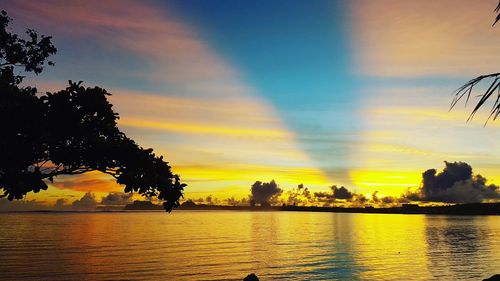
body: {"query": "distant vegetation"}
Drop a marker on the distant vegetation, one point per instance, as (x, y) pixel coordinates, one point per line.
(69, 132)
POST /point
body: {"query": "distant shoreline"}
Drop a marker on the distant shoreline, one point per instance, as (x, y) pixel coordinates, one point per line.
(474, 209)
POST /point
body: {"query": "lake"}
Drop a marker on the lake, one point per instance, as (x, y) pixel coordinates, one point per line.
(225, 245)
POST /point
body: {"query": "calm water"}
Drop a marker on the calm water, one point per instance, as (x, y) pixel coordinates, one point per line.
(216, 245)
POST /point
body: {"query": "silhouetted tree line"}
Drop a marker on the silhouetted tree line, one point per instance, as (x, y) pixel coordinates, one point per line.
(69, 132)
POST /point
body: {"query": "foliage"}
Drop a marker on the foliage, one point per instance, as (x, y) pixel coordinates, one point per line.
(466, 89)
(30, 54)
(69, 132)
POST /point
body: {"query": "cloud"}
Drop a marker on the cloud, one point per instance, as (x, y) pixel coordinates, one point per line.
(91, 181)
(235, 108)
(336, 193)
(341, 192)
(117, 199)
(188, 102)
(265, 192)
(197, 128)
(455, 184)
(21, 205)
(133, 26)
(424, 38)
(87, 202)
(60, 204)
(409, 127)
(343, 197)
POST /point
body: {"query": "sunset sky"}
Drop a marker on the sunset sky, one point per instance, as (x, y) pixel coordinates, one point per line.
(352, 93)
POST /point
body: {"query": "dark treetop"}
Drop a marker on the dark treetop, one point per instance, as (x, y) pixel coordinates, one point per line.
(69, 132)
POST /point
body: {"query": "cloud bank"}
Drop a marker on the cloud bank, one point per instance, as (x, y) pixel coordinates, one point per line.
(87, 202)
(173, 91)
(117, 199)
(455, 184)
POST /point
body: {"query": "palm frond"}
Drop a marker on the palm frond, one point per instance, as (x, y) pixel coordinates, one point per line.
(497, 10)
(466, 90)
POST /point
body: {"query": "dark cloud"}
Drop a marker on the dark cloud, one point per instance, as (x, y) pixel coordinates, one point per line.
(21, 205)
(265, 192)
(386, 201)
(60, 204)
(389, 200)
(87, 202)
(342, 197)
(117, 199)
(341, 192)
(324, 196)
(336, 193)
(455, 184)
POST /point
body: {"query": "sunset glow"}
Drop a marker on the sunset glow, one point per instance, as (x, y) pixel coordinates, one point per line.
(359, 98)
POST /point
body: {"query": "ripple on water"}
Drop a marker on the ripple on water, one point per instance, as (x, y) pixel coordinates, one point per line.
(228, 245)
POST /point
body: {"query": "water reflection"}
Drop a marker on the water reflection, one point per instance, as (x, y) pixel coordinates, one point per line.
(264, 243)
(390, 247)
(229, 245)
(457, 247)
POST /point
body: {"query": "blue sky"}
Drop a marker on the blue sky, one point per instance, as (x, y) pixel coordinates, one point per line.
(297, 55)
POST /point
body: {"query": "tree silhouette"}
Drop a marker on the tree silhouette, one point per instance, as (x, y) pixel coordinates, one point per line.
(69, 132)
(466, 89)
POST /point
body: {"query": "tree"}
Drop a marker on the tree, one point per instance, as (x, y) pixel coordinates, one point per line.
(466, 89)
(69, 132)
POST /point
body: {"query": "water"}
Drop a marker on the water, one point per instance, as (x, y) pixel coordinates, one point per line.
(218, 245)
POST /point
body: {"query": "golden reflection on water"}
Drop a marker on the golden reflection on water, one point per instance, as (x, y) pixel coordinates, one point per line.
(217, 245)
(391, 247)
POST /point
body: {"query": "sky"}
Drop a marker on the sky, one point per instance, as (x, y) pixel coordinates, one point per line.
(351, 93)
